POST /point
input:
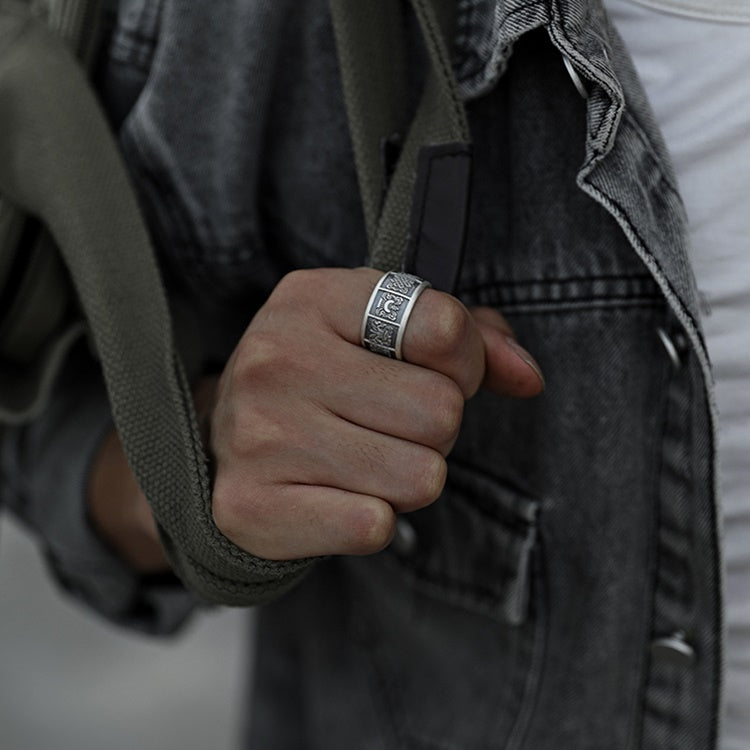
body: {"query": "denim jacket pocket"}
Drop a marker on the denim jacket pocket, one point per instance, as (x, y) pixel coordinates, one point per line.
(475, 546)
(453, 615)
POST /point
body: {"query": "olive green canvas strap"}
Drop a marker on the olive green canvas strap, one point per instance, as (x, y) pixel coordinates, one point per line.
(38, 320)
(76, 22)
(60, 163)
(371, 42)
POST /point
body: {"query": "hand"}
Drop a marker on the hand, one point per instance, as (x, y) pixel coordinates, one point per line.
(319, 443)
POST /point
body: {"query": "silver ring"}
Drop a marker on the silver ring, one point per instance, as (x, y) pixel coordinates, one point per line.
(388, 311)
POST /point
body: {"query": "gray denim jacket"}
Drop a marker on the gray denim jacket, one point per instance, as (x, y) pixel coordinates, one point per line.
(565, 591)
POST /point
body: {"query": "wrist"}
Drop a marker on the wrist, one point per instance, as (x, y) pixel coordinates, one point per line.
(119, 512)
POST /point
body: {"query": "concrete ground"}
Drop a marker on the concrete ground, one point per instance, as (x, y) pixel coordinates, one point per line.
(69, 681)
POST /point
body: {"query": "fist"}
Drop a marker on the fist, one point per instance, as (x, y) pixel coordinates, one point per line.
(319, 443)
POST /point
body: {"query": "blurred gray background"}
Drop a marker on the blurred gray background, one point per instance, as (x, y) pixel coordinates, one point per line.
(69, 681)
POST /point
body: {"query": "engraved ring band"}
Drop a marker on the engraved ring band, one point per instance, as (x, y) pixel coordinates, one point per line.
(388, 311)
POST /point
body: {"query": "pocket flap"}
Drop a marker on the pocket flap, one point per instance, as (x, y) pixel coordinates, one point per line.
(474, 546)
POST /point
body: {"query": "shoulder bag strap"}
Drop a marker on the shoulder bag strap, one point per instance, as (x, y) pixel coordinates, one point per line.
(60, 163)
(417, 223)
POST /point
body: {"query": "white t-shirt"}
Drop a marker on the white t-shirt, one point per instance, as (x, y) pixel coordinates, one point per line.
(693, 57)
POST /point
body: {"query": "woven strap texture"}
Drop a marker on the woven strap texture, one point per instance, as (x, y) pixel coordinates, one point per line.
(370, 40)
(60, 163)
(39, 323)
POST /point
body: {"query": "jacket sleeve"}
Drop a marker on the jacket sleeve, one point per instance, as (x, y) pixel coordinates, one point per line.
(45, 467)
(78, 187)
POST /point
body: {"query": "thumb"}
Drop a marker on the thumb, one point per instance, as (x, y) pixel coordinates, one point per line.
(509, 369)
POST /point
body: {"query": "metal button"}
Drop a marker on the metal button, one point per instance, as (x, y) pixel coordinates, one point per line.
(676, 346)
(573, 73)
(405, 539)
(674, 649)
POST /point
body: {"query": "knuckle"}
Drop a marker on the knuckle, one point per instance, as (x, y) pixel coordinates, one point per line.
(265, 437)
(372, 527)
(451, 328)
(303, 296)
(230, 507)
(448, 409)
(429, 474)
(309, 284)
(294, 283)
(258, 355)
(249, 428)
(246, 516)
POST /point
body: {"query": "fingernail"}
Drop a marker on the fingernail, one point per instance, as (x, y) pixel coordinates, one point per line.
(526, 357)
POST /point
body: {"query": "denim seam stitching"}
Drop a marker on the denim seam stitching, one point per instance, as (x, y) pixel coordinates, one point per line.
(657, 265)
(638, 731)
(598, 74)
(567, 280)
